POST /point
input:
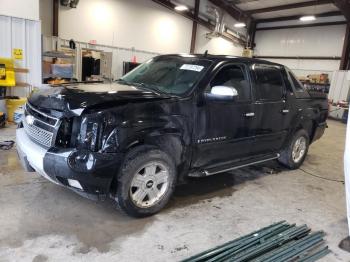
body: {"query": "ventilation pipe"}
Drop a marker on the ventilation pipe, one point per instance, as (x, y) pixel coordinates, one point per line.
(218, 22)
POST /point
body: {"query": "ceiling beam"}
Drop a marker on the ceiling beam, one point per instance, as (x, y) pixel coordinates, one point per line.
(296, 17)
(288, 6)
(232, 10)
(301, 26)
(188, 14)
(344, 7)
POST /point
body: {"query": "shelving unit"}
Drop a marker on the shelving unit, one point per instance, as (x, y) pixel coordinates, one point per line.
(319, 87)
(64, 53)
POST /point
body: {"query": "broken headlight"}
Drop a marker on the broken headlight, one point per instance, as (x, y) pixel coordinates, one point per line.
(98, 133)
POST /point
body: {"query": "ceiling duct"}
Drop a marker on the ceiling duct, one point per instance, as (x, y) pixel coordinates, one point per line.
(74, 3)
(70, 3)
(65, 2)
(218, 22)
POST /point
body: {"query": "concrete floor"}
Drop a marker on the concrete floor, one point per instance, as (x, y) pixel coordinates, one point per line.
(41, 221)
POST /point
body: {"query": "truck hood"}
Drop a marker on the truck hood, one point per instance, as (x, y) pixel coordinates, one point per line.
(75, 98)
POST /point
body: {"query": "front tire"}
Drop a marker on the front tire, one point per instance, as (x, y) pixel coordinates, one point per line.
(146, 182)
(294, 155)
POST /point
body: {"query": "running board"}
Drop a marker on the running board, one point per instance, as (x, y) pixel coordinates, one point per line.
(216, 170)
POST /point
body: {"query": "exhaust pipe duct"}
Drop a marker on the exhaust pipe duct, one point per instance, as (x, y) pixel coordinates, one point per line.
(218, 22)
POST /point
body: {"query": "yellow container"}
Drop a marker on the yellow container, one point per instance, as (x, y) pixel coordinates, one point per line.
(7, 72)
(12, 105)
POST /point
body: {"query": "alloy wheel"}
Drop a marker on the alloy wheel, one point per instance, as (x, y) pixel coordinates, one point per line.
(149, 184)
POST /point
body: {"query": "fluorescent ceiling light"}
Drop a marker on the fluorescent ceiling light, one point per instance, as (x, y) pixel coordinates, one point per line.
(239, 25)
(307, 18)
(181, 8)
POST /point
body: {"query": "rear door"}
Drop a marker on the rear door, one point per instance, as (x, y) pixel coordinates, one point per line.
(272, 110)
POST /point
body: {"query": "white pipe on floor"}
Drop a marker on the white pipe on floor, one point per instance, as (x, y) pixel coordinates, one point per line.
(347, 170)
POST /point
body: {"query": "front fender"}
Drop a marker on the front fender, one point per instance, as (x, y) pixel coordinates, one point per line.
(171, 134)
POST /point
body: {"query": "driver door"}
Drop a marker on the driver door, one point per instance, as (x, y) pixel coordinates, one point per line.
(224, 127)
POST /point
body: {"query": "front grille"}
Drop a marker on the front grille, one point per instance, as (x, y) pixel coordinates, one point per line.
(52, 121)
(42, 128)
(38, 134)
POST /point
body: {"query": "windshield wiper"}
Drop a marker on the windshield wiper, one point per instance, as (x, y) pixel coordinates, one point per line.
(124, 82)
(145, 86)
(153, 88)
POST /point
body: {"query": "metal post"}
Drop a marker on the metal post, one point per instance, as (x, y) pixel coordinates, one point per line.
(194, 27)
(345, 243)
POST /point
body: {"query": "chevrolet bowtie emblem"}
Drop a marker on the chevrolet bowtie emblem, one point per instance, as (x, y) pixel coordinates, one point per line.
(29, 119)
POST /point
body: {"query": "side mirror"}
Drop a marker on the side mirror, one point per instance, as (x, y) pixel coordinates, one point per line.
(225, 93)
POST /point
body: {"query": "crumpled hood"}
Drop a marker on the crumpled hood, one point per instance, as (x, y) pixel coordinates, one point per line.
(77, 97)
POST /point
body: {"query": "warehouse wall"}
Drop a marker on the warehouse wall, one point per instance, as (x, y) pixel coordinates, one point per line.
(309, 41)
(141, 24)
(23, 34)
(27, 9)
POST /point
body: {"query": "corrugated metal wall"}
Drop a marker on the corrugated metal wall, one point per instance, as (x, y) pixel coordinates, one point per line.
(26, 35)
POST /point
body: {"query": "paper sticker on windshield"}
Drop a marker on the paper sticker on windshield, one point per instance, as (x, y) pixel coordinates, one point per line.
(197, 68)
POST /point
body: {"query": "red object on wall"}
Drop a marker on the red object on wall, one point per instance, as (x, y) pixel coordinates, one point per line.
(133, 60)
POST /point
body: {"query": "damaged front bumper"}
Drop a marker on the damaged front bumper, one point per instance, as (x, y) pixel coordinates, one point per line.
(88, 174)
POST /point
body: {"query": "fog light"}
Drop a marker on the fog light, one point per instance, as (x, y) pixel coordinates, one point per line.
(81, 161)
(74, 183)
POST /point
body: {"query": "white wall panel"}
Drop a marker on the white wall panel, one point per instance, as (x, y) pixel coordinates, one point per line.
(142, 24)
(302, 67)
(27, 9)
(18, 35)
(309, 41)
(33, 57)
(5, 40)
(26, 35)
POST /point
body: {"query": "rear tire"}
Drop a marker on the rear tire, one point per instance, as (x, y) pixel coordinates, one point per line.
(294, 154)
(146, 182)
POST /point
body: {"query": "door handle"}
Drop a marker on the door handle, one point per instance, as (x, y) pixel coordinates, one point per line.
(250, 114)
(285, 111)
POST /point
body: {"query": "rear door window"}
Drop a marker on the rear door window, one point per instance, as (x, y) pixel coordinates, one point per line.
(269, 83)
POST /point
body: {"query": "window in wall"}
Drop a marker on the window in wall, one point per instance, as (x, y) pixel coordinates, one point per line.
(269, 83)
(233, 76)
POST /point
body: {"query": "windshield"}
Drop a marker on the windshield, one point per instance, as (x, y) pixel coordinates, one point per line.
(170, 75)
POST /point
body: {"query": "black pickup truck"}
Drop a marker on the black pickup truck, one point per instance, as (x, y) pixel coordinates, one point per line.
(173, 117)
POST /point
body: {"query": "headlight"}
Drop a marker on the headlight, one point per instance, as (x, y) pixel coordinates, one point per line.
(88, 134)
(110, 143)
(98, 133)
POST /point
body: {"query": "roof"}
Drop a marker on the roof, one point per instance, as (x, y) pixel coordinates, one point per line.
(220, 58)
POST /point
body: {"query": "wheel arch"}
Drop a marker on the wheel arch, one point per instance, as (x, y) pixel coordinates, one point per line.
(171, 144)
